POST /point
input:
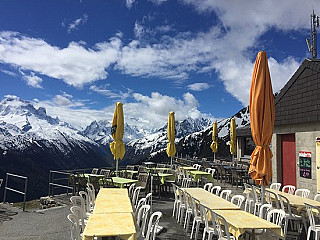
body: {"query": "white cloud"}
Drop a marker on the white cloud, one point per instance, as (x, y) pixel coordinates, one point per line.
(198, 86)
(12, 74)
(75, 24)
(103, 90)
(32, 80)
(151, 111)
(75, 64)
(129, 3)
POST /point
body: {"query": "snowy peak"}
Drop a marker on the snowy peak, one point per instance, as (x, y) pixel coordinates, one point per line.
(100, 132)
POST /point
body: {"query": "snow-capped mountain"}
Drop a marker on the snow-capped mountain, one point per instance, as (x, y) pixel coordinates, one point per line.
(156, 143)
(32, 143)
(100, 132)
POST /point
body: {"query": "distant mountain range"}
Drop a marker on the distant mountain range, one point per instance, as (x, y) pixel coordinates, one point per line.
(32, 142)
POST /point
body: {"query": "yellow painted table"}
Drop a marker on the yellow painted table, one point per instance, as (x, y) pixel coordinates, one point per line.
(110, 224)
(198, 175)
(165, 176)
(112, 200)
(210, 200)
(240, 221)
(296, 201)
(122, 182)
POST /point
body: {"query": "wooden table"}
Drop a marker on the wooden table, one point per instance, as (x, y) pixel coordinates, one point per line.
(296, 201)
(122, 182)
(240, 221)
(110, 200)
(210, 200)
(110, 224)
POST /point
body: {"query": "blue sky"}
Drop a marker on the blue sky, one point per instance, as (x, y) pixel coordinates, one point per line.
(77, 58)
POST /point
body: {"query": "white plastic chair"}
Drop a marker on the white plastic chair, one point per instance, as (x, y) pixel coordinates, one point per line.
(215, 190)
(311, 210)
(189, 211)
(302, 192)
(95, 171)
(74, 228)
(142, 218)
(285, 205)
(153, 226)
(186, 182)
(225, 194)
(135, 197)
(221, 227)
(177, 201)
(317, 197)
(237, 200)
(275, 186)
(197, 218)
(289, 189)
(91, 196)
(208, 186)
(79, 201)
(85, 196)
(131, 190)
(78, 212)
(182, 206)
(208, 228)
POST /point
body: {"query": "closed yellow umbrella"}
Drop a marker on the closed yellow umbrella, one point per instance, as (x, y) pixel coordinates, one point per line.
(117, 131)
(261, 120)
(214, 144)
(171, 148)
(233, 137)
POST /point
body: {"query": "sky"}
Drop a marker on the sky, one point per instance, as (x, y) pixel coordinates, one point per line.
(77, 58)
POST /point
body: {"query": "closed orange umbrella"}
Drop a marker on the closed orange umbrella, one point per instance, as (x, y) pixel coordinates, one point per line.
(261, 120)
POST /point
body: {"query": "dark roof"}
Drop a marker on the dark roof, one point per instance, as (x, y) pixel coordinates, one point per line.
(244, 131)
(299, 100)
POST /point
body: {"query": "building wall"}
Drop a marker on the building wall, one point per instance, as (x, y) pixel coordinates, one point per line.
(305, 136)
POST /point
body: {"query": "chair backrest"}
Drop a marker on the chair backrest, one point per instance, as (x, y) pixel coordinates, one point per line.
(285, 204)
(142, 218)
(302, 192)
(186, 182)
(208, 186)
(272, 198)
(105, 172)
(204, 213)
(289, 189)
(225, 194)
(276, 216)
(85, 196)
(91, 196)
(78, 201)
(255, 191)
(135, 197)
(317, 197)
(181, 196)
(208, 170)
(141, 202)
(131, 190)
(175, 192)
(216, 190)
(199, 167)
(148, 198)
(212, 171)
(221, 226)
(143, 179)
(78, 211)
(1, 181)
(275, 186)
(107, 182)
(90, 185)
(75, 229)
(311, 210)
(194, 205)
(142, 169)
(95, 171)
(130, 167)
(237, 200)
(264, 209)
(153, 226)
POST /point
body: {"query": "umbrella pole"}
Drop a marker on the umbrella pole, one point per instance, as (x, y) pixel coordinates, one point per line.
(117, 168)
(214, 156)
(151, 192)
(171, 161)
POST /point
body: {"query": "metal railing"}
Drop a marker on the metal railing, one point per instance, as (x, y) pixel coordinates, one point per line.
(59, 182)
(6, 188)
